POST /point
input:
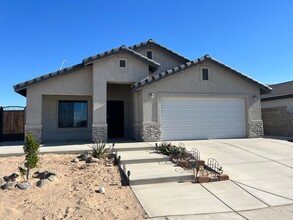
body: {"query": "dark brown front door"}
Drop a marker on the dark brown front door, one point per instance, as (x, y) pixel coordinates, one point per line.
(115, 119)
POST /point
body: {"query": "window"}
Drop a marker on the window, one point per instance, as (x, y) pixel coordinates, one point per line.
(122, 63)
(72, 114)
(205, 74)
(149, 54)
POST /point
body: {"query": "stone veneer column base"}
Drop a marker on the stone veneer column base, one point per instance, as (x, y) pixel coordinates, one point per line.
(147, 131)
(35, 131)
(255, 129)
(99, 131)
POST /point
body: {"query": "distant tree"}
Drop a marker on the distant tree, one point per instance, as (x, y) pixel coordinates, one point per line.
(31, 150)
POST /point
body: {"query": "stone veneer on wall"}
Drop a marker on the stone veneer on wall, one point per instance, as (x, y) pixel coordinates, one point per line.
(35, 131)
(255, 128)
(147, 131)
(278, 121)
(99, 132)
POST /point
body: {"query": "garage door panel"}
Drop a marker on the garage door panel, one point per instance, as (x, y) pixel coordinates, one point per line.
(196, 118)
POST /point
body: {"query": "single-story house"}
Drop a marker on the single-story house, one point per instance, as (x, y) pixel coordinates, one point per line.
(277, 110)
(146, 92)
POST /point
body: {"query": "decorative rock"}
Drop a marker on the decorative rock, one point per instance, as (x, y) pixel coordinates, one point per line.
(102, 189)
(23, 186)
(8, 185)
(42, 183)
(1, 181)
(203, 179)
(94, 160)
(51, 178)
(223, 177)
(75, 160)
(201, 162)
(213, 179)
(49, 173)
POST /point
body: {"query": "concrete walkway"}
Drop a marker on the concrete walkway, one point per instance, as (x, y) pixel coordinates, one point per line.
(261, 181)
(261, 173)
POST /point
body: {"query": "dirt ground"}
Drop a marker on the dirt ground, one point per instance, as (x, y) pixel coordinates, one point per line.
(72, 196)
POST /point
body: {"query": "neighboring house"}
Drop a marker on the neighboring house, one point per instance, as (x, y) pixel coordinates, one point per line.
(146, 92)
(277, 110)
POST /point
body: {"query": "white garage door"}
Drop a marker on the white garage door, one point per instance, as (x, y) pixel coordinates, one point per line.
(202, 118)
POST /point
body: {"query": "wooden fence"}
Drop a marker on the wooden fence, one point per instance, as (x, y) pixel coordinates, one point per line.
(12, 120)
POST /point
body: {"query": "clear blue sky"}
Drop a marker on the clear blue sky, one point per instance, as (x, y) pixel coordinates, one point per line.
(252, 36)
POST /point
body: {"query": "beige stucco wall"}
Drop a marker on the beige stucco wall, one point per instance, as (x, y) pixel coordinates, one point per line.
(50, 119)
(76, 83)
(165, 60)
(189, 83)
(120, 92)
(279, 103)
(108, 71)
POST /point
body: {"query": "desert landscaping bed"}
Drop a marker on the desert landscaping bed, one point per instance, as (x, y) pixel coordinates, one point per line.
(73, 195)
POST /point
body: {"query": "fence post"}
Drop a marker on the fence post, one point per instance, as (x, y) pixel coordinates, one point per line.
(1, 122)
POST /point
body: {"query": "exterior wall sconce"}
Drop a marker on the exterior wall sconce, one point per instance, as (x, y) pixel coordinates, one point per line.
(152, 95)
(254, 97)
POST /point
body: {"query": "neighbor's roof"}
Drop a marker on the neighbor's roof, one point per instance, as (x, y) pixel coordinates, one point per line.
(21, 87)
(151, 42)
(280, 91)
(150, 79)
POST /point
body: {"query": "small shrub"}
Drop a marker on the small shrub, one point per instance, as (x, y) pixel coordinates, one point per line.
(31, 150)
(166, 148)
(99, 148)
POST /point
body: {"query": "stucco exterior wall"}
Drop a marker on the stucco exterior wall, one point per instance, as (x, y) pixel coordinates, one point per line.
(50, 120)
(108, 71)
(165, 60)
(189, 83)
(77, 83)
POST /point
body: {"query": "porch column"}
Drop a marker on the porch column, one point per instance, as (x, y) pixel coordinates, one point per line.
(33, 115)
(99, 126)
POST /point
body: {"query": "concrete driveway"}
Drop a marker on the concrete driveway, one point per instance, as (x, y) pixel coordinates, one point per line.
(260, 185)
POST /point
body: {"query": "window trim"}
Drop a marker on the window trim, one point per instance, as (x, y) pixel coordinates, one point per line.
(122, 59)
(87, 114)
(202, 74)
(147, 54)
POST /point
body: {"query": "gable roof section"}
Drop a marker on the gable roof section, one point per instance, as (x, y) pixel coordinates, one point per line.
(150, 42)
(123, 48)
(150, 79)
(280, 91)
(21, 87)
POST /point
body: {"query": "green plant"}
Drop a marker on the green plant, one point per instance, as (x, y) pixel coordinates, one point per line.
(31, 150)
(166, 148)
(99, 148)
(22, 172)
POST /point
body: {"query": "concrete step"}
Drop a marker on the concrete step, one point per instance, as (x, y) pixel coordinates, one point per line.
(137, 146)
(141, 156)
(162, 172)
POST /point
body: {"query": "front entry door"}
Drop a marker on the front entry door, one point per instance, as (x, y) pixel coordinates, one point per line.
(115, 119)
